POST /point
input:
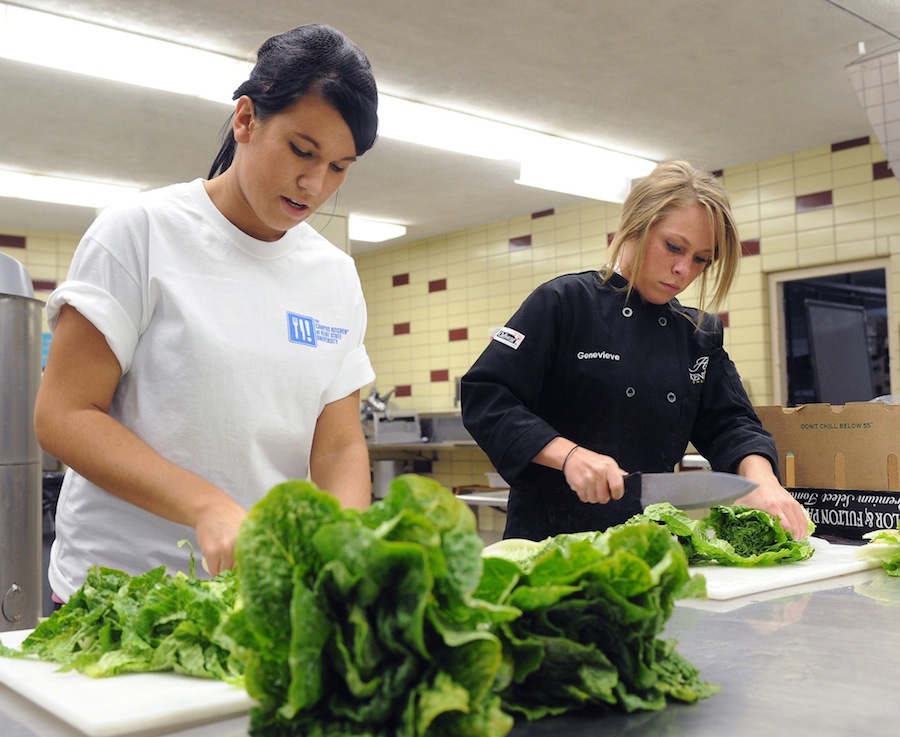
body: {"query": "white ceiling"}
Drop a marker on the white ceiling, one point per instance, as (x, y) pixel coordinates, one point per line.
(721, 82)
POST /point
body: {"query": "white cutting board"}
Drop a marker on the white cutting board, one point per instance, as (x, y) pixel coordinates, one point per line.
(828, 561)
(107, 707)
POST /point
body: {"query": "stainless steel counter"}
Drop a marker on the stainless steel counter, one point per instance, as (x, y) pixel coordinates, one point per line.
(818, 659)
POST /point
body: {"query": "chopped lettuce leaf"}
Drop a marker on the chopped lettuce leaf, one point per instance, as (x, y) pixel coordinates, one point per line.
(730, 535)
(884, 546)
(117, 623)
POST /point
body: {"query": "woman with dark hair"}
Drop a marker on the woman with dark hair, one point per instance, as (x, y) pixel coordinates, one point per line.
(208, 343)
(605, 372)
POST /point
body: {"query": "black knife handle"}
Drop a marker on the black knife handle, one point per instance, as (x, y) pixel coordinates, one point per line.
(633, 484)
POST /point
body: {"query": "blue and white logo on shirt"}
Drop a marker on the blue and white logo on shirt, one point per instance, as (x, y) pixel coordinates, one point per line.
(309, 331)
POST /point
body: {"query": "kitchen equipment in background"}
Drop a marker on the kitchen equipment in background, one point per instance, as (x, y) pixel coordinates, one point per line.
(375, 403)
(495, 480)
(399, 430)
(383, 472)
(384, 426)
(20, 456)
(444, 427)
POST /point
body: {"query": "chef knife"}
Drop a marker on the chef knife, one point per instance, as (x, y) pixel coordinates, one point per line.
(688, 489)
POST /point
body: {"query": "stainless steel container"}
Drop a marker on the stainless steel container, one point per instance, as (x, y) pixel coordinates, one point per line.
(383, 472)
(20, 456)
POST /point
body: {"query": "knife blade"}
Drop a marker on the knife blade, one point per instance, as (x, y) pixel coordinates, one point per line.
(688, 489)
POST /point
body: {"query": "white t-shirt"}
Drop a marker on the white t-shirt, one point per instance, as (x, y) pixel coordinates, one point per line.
(230, 348)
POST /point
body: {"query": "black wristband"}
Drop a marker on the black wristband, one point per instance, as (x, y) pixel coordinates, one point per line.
(566, 459)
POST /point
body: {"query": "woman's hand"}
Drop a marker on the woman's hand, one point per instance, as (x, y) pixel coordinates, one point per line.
(217, 530)
(594, 477)
(772, 497)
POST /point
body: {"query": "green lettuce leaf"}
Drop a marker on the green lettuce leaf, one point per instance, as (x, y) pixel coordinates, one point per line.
(884, 546)
(732, 535)
(117, 623)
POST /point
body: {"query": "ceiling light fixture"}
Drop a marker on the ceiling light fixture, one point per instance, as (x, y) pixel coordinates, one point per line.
(61, 191)
(562, 165)
(372, 231)
(98, 51)
(546, 161)
(448, 130)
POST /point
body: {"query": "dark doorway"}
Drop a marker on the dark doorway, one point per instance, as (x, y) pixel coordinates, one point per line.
(836, 333)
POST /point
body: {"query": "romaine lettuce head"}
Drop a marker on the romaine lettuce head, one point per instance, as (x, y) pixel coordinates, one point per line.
(592, 607)
(375, 628)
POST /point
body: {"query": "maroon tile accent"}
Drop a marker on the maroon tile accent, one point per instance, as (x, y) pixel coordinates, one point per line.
(542, 213)
(440, 375)
(438, 285)
(12, 241)
(609, 238)
(814, 201)
(43, 285)
(750, 247)
(723, 316)
(852, 143)
(522, 241)
(882, 170)
(404, 390)
(459, 334)
(401, 328)
(400, 280)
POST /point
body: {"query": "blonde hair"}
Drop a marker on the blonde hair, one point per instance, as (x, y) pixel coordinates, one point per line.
(672, 186)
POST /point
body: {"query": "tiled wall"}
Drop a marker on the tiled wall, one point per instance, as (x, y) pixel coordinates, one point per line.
(432, 304)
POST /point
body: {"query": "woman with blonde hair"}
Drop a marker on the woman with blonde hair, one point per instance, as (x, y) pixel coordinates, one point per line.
(604, 372)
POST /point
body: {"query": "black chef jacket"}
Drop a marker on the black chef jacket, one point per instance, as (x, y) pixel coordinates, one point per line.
(622, 377)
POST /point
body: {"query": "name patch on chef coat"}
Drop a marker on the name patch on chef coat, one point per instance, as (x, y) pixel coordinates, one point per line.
(508, 336)
(698, 372)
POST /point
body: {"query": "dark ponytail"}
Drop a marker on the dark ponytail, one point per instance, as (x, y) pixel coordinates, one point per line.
(310, 60)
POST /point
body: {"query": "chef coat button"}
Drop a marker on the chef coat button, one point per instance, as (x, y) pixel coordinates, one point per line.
(663, 321)
(627, 312)
(629, 392)
(671, 397)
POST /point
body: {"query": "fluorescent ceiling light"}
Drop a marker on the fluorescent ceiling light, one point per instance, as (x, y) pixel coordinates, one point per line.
(546, 161)
(566, 166)
(97, 195)
(97, 51)
(61, 191)
(448, 130)
(373, 231)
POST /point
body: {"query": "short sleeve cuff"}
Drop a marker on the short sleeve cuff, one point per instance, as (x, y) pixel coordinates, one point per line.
(102, 311)
(355, 372)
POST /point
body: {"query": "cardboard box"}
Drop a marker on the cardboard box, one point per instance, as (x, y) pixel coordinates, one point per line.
(855, 446)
